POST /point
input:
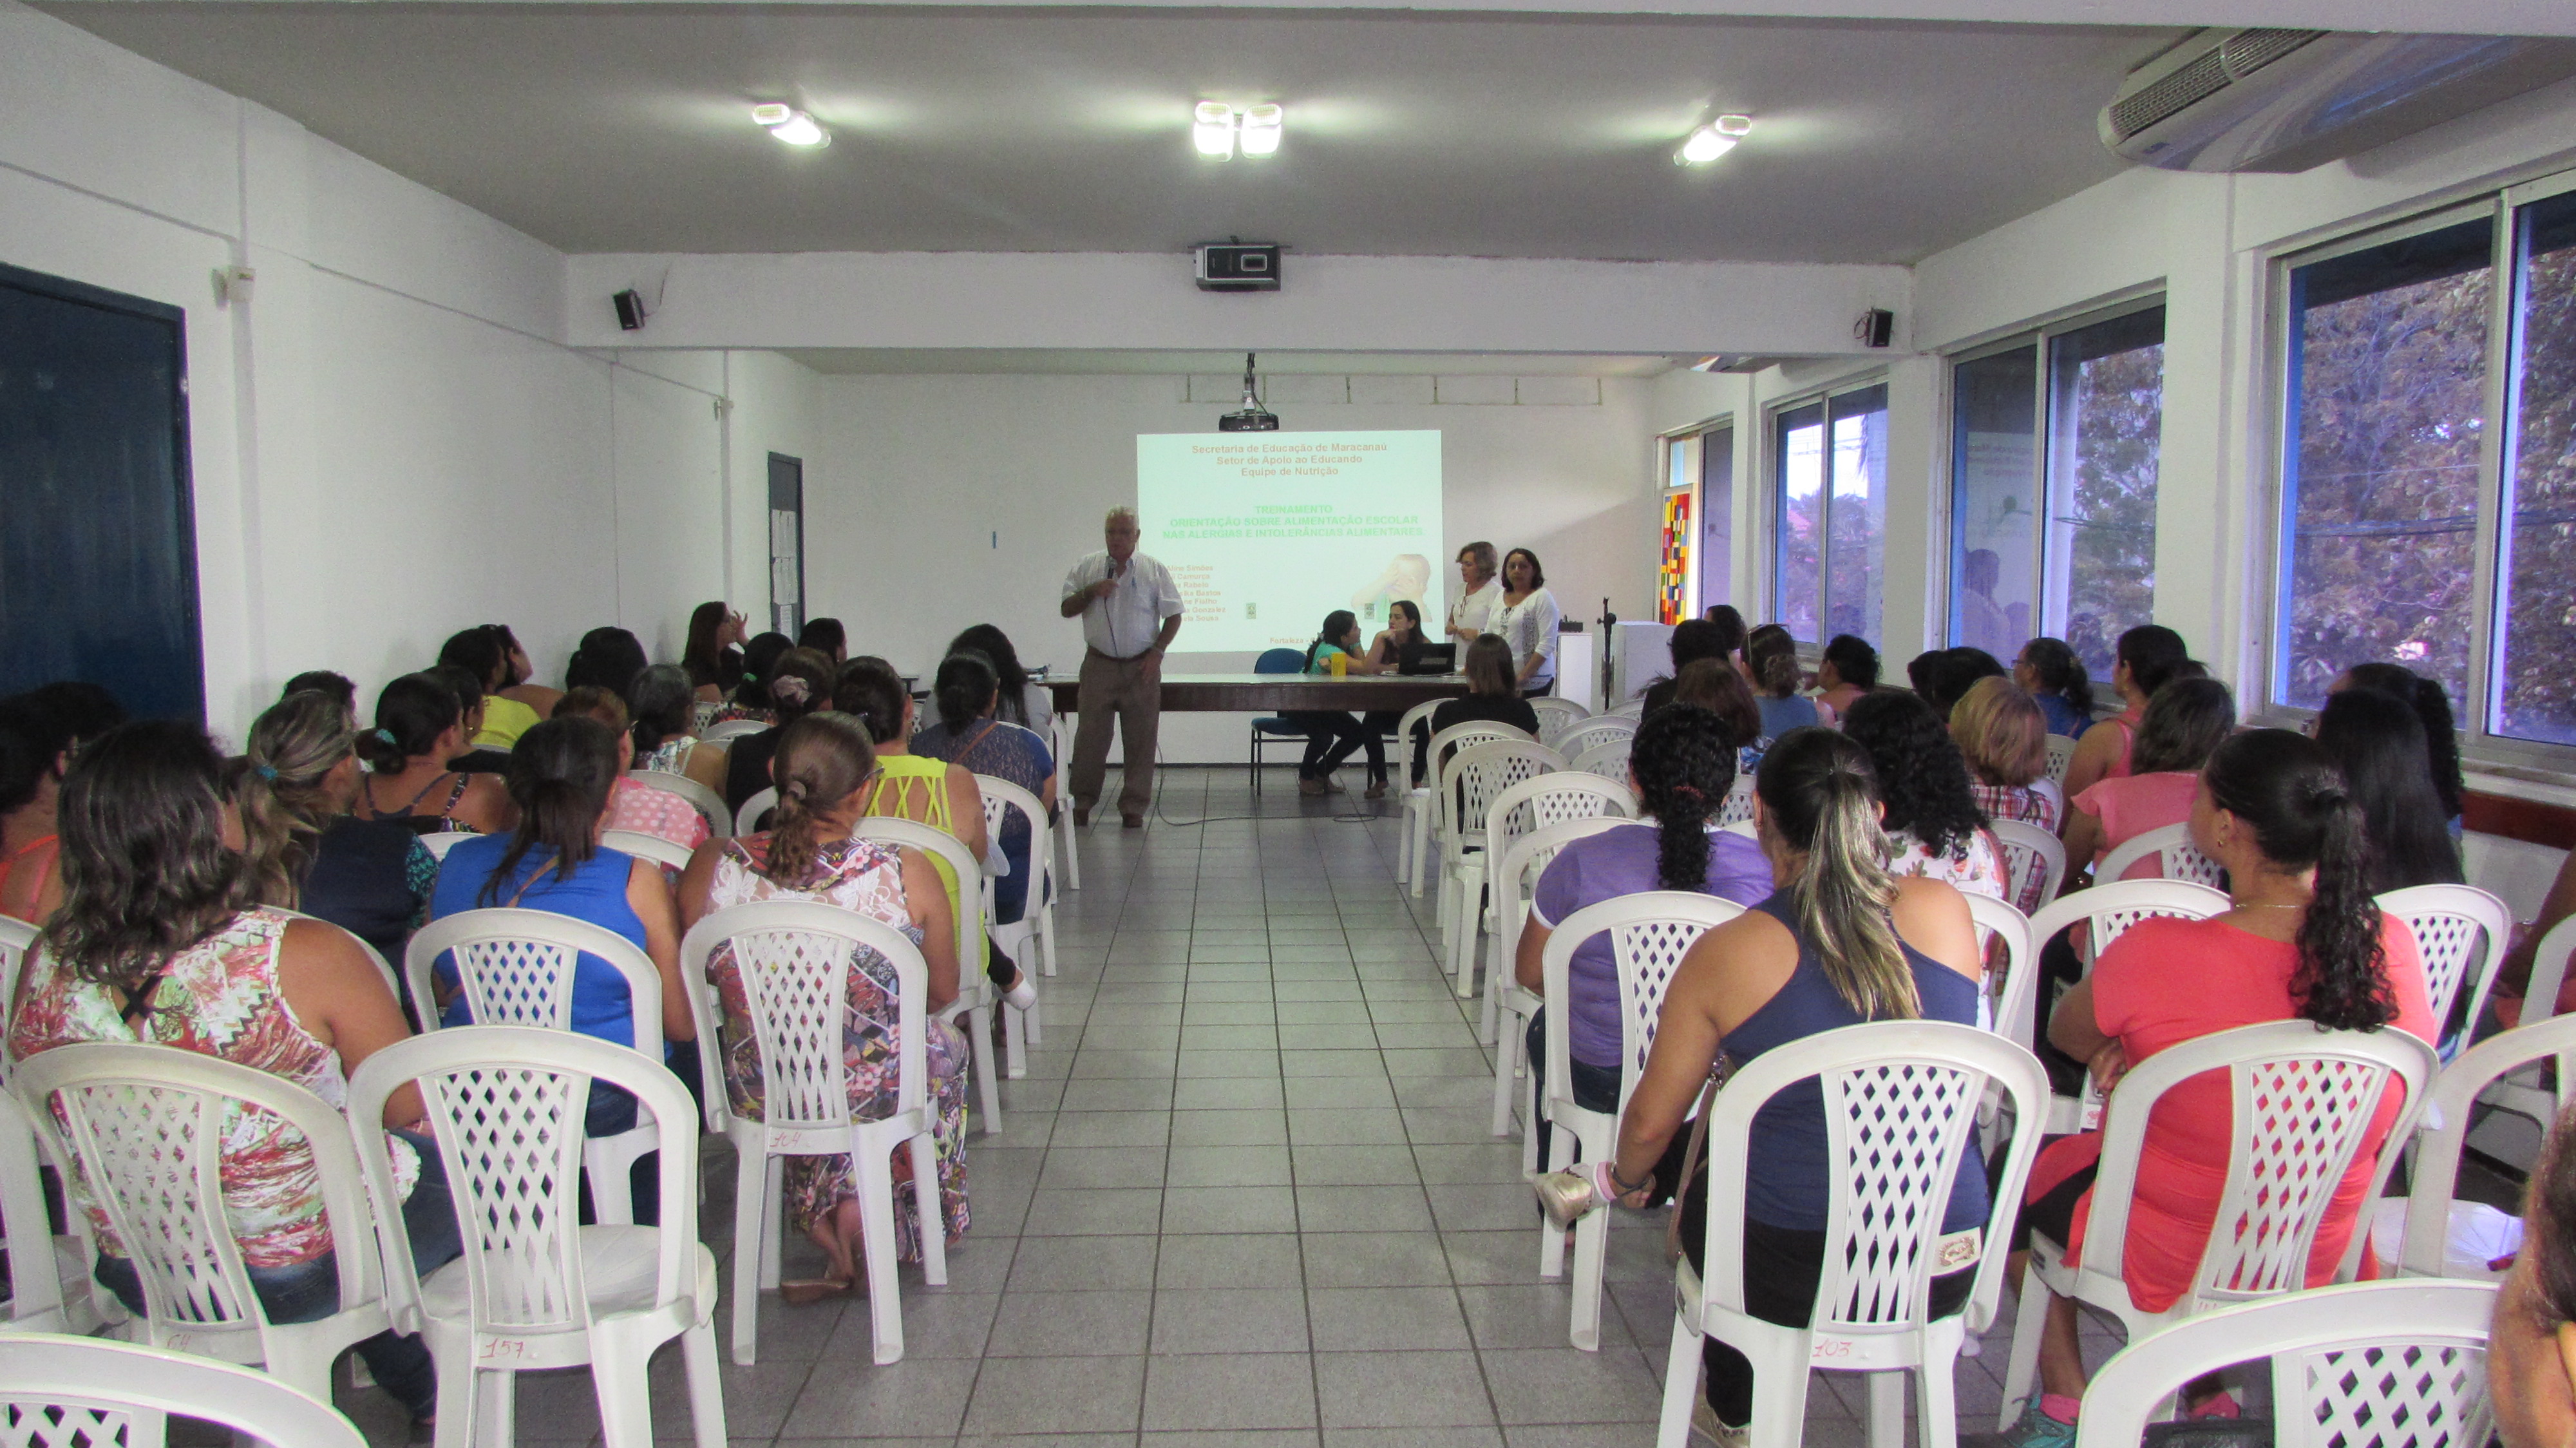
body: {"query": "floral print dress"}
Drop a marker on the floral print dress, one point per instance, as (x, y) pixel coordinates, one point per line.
(867, 877)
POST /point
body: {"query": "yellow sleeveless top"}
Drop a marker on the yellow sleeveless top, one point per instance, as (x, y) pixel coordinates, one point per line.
(915, 787)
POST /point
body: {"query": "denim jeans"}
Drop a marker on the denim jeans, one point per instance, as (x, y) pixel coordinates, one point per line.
(310, 1291)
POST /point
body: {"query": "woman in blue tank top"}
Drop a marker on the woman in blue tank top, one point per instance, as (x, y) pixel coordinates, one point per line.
(1840, 942)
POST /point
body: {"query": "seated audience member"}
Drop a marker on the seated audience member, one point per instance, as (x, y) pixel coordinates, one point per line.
(1773, 655)
(2378, 743)
(1333, 736)
(825, 636)
(2054, 674)
(633, 804)
(759, 665)
(932, 791)
(1849, 670)
(609, 658)
(293, 786)
(161, 939)
(559, 777)
(971, 738)
(1932, 822)
(713, 658)
(2513, 975)
(800, 683)
(2531, 1349)
(2433, 708)
(1492, 698)
(1692, 639)
(2305, 942)
(2147, 657)
(1941, 677)
(1731, 636)
(540, 700)
(1682, 765)
(1714, 685)
(826, 768)
(1401, 639)
(1837, 942)
(481, 655)
(420, 726)
(336, 687)
(1023, 701)
(661, 706)
(469, 698)
(41, 733)
(2004, 737)
(2187, 719)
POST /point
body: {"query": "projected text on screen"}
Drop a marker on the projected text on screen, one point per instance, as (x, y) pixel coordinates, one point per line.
(1266, 535)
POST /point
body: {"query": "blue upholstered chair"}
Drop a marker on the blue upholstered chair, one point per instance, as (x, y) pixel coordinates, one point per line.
(1271, 729)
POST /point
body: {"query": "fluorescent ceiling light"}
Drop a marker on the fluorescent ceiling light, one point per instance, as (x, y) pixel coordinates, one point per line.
(1712, 141)
(1262, 126)
(1212, 131)
(791, 125)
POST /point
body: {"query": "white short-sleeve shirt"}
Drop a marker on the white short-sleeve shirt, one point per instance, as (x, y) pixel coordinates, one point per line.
(1123, 625)
(1477, 612)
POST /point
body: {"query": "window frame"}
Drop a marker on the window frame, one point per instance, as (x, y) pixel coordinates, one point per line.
(2499, 402)
(1774, 478)
(1695, 588)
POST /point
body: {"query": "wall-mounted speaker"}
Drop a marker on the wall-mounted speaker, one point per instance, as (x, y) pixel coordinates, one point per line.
(630, 309)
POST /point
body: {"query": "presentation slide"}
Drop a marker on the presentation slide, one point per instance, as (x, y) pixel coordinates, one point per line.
(1266, 533)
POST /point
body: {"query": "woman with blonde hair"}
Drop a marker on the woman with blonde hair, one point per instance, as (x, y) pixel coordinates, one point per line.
(293, 787)
(2002, 732)
(827, 768)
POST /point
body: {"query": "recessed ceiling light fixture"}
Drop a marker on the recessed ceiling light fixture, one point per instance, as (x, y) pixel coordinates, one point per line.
(791, 125)
(1212, 130)
(1712, 141)
(1214, 127)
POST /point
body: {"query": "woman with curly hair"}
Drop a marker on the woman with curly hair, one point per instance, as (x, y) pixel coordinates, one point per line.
(1933, 825)
(2305, 941)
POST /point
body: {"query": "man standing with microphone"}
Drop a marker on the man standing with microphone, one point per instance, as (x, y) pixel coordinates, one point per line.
(1129, 610)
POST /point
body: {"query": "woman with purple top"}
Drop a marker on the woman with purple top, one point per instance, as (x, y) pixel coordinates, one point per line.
(1682, 765)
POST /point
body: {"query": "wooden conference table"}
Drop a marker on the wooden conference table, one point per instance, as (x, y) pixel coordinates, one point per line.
(1258, 693)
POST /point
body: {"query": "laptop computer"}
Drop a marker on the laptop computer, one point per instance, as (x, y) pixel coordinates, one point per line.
(1428, 658)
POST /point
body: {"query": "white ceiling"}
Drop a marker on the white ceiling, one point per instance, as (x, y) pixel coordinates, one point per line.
(942, 362)
(624, 127)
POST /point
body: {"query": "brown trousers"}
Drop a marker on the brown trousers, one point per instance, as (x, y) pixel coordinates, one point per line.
(1130, 691)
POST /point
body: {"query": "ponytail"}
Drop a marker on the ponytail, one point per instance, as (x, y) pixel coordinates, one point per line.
(823, 758)
(1684, 762)
(1773, 654)
(1821, 798)
(661, 702)
(2285, 787)
(411, 714)
(2057, 666)
(560, 774)
(277, 786)
(964, 685)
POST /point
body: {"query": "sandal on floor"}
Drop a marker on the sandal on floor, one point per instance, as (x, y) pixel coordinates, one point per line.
(811, 1290)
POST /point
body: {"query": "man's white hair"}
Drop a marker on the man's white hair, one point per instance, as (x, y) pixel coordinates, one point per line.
(1121, 511)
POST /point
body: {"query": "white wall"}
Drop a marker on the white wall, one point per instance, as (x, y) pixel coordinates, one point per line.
(919, 474)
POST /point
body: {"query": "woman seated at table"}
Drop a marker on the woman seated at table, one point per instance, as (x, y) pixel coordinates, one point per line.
(1332, 736)
(1837, 942)
(161, 940)
(1395, 648)
(2305, 941)
(827, 771)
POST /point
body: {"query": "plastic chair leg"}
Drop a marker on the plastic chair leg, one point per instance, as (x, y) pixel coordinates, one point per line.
(617, 1373)
(988, 1085)
(1507, 1066)
(497, 1403)
(925, 1201)
(1887, 1410)
(1015, 1041)
(1551, 1242)
(1591, 1265)
(1046, 934)
(1779, 1361)
(2021, 1369)
(1681, 1385)
(1936, 1398)
(876, 1233)
(772, 1234)
(1072, 855)
(1421, 833)
(752, 1209)
(706, 1384)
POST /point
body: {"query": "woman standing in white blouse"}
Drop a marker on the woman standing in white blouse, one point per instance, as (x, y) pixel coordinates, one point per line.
(1527, 621)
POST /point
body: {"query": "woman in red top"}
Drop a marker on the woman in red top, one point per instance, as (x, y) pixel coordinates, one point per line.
(40, 731)
(2305, 942)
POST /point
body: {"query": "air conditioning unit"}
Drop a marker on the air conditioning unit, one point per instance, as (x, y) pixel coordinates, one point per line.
(2287, 100)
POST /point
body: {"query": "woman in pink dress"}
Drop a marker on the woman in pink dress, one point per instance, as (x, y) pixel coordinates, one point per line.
(2187, 720)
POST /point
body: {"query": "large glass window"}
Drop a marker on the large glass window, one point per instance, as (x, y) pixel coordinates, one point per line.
(1698, 532)
(2535, 674)
(1829, 461)
(2059, 538)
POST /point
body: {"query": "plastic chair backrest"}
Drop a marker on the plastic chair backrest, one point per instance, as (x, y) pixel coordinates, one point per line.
(1553, 798)
(440, 843)
(1900, 1106)
(1555, 716)
(518, 968)
(2450, 1109)
(2177, 857)
(1598, 729)
(506, 1104)
(1523, 860)
(705, 801)
(1649, 932)
(2114, 905)
(1280, 661)
(2460, 931)
(931, 840)
(648, 847)
(17, 942)
(731, 729)
(748, 821)
(85, 1392)
(2303, 1099)
(1607, 758)
(1476, 775)
(2061, 753)
(1737, 808)
(1001, 797)
(1447, 742)
(1998, 920)
(147, 1127)
(2367, 1363)
(1419, 714)
(2034, 860)
(2549, 969)
(1633, 709)
(794, 959)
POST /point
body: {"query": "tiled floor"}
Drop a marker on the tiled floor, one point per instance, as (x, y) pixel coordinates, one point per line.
(1245, 1196)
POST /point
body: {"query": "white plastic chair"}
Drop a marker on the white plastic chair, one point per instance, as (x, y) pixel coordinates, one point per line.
(730, 730)
(1469, 781)
(81, 1392)
(1415, 795)
(532, 1290)
(1555, 716)
(1536, 802)
(2400, 1364)
(660, 851)
(1635, 708)
(445, 840)
(40, 1263)
(1649, 934)
(1033, 934)
(1997, 920)
(146, 1126)
(2104, 911)
(976, 999)
(2061, 753)
(1062, 735)
(1607, 758)
(1599, 729)
(1737, 807)
(518, 968)
(2460, 931)
(794, 960)
(2176, 856)
(2034, 861)
(2304, 1099)
(1424, 823)
(2450, 1111)
(17, 942)
(1515, 883)
(747, 821)
(705, 801)
(1900, 1104)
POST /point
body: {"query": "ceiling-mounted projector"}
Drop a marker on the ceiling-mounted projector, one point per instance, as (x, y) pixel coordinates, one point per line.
(1254, 417)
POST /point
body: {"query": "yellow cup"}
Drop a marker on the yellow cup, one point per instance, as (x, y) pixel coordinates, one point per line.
(1341, 665)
